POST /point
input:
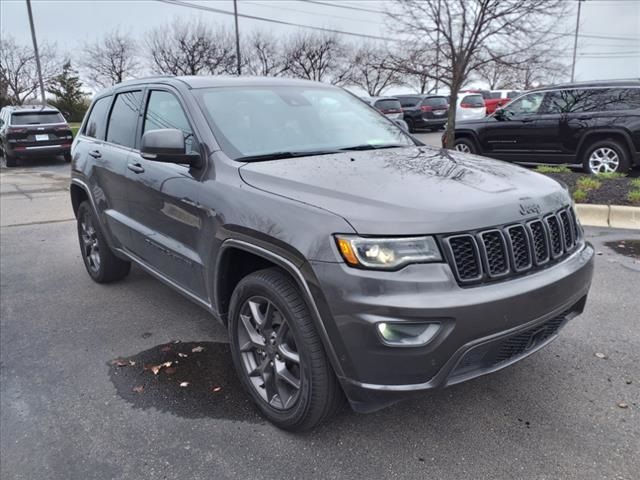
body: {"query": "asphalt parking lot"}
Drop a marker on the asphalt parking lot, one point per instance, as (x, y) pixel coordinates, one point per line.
(78, 400)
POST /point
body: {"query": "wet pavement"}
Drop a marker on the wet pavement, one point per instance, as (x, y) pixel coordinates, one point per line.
(79, 397)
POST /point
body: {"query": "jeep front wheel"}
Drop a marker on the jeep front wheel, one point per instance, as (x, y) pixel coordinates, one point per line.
(278, 354)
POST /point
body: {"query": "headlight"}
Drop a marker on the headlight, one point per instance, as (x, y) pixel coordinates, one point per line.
(387, 253)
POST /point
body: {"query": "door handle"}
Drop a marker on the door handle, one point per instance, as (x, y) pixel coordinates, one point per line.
(135, 167)
(95, 154)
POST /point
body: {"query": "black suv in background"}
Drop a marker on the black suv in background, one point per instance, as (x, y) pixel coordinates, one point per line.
(33, 131)
(343, 257)
(424, 111)
(595, 125)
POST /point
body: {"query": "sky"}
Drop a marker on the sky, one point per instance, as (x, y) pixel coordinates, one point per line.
(608, 46)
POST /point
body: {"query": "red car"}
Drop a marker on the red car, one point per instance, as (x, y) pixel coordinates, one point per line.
(494, 99)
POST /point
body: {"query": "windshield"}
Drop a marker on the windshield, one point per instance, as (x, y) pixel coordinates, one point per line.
(262, 121)
(36, 118)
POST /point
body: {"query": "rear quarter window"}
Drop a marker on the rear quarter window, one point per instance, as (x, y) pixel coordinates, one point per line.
(96, 123)
(36, 118)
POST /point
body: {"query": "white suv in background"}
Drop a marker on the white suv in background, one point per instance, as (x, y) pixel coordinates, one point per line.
(470, 106)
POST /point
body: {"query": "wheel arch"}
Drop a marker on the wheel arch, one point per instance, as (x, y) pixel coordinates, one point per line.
(604, 134)
(468, 134)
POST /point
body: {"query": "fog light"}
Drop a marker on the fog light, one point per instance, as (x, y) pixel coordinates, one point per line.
(407, 334)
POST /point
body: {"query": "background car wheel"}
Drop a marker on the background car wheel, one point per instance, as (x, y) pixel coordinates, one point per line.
(606, 156)
(464, 145)
(411, 125)
(103, 266)
(278, 354)
(10, 160)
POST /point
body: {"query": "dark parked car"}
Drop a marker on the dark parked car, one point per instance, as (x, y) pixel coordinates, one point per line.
(33, 131)
(389, 106)
(594, 125)
(343, 257)
(424, 111)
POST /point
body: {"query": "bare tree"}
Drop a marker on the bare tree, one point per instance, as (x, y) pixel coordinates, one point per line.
(191, 48)
(470, 33)
(262, 55)
(541, 68)
(498, 75)
(18, 69)
(415, 64)
(111, 59)
(373, 69)
(319, 57)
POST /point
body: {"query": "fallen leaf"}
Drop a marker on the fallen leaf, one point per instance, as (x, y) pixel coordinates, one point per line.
(216, 389)
(156, 368)
(184, 384)
(623, 405)
(601, 355)
(183, 355)
(170, 370)
(132, 363)
(120, 362)
(139, 389)
(628, 382)
(197, 349)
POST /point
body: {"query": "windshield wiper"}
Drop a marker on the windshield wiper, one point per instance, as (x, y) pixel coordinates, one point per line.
(367, 146)
(280, 155)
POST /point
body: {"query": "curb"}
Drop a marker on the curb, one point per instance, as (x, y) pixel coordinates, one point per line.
(614, 216)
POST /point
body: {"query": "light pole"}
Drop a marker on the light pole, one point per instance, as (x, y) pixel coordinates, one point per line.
(235, 16)
(575, 42)
(35, 50)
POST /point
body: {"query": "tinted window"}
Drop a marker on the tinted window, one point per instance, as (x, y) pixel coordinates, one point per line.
(473, 100)
(494, 95)
(527, 105)
(35, 118)
(436, 101)
(164, 111)
(388, 105)
(123, 119)
(97, 120)
(409, 101)
(266, 120)
(513, 94)
(593, 100)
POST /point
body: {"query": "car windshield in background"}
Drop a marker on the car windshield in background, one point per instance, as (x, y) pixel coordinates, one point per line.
(473, 100)
(388, 105)
(436, 101)
(264, 123)
(36, 118)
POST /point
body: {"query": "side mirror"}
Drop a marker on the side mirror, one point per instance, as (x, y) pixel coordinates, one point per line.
(167, 145)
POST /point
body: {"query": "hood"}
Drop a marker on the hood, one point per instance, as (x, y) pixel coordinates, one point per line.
(408, 191)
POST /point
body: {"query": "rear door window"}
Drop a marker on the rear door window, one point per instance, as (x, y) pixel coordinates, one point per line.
(97, 121)
(409, 101)
(36, 118)
(123, 120)
(473, 101)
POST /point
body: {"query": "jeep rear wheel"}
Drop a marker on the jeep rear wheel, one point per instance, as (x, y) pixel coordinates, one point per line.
(278, 354)
(464, 145)
(606, 156)
(102, 265)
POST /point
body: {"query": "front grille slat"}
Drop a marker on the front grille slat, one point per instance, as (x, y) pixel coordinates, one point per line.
(503, 252)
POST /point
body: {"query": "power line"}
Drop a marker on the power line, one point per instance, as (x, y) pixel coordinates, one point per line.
(272, 20)
(260, 4)
(348, 7)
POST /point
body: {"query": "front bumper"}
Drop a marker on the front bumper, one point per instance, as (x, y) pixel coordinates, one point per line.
(482, 328)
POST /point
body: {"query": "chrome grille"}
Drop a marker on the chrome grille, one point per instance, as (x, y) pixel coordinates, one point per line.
(512, 250)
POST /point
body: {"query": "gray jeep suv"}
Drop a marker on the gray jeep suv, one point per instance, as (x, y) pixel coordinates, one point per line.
(344, 257)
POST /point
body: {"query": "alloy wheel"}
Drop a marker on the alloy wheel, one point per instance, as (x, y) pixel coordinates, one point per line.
(604, 160)
(90, 243)
(462, 147)
(269, 353)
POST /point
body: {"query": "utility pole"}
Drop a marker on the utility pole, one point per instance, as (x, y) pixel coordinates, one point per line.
(235, 16)
(35, 49)
(575, 43)
(438, 50)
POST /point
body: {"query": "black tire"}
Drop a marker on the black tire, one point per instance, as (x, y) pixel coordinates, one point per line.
(608, 145)
(465, 145)
(318, 395)
(10, 160)
(102, 265)
(411, 125)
